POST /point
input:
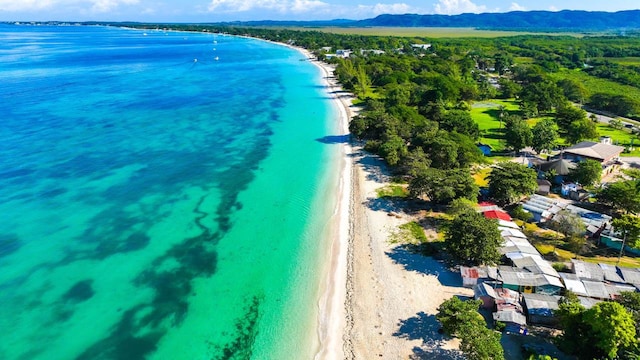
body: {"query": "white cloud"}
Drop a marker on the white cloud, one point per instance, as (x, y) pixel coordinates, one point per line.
(286, 6)
(451, 7)
(516, 7)
(400, 8)
(307, 6)
(39, 5)
(553, 8)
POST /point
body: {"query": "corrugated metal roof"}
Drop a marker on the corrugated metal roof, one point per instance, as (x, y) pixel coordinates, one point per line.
(631, 276)
(540, 304)
(588, 302)
(504, 231)
(615, 290)
(596, 289)
(573, 284)
(611, 273)
(508, 224)
(536, 265)
(484, 289)
(473, 272)
(587, 271)
(510, 316)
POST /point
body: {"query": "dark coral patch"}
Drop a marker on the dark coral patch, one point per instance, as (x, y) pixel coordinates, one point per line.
(81, 291)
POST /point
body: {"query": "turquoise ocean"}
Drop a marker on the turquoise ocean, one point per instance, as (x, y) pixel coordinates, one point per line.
(163, 195)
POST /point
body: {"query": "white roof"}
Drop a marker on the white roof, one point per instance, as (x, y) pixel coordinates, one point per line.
(504, 231)
(611, 273)
(508, 224)
(574, 284)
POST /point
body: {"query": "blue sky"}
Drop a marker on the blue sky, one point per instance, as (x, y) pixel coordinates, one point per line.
(228, 10)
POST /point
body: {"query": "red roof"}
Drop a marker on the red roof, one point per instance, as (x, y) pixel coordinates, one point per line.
(497, 214)
(486, 203)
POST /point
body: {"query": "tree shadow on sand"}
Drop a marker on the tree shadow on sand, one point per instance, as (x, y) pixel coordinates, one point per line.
(426, 328)
(334, 139)
(427, 265)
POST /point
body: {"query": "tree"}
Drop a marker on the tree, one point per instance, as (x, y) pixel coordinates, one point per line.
(568, 224)
(612, 327)
(587, 173)
(460, 121)
(602, 331)
(517, 133)
(582, 130)
(443, 186)
(573, 90)
(502, 61)
(454, 313)
(545, 136)
(544, 95)
(460, 205)
(622, 195)
(629, 227)
(616, 124)
(509, 181)
(567, 114)
(480, 343)
(631, 302)
(473, 239)
(461, 319)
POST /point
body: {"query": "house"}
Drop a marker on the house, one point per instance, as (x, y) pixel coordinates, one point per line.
(560, 167)
(596, 290)
(573, 284)
(587, 271)
(544, 187)
(536, 264)
(524, 281)
(497, 214)
(343, 53)
(490, 293)
(611, 273)
(485, 148)
(603, 152)
(371, 51)
(539, 308)
(631, 276)
(471, 276)
(421, 46)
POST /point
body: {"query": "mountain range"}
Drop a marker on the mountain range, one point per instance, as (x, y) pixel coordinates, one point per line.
(515, 20)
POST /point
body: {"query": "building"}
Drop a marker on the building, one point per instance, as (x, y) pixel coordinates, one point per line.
(539, 308)
(587, 271)
(603, 152)
(471, 276)
(497, 214)
(524, 281)
(544, 187)
(560, 167)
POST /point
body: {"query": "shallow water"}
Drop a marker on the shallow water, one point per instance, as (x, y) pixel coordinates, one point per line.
(163, 195)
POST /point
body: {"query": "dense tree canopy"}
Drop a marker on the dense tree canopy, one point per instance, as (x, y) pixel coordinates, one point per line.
(473, 239)
(587, 172)
(444, 186)
(509, 181)
(622, 195)
(517, 133)
(545, 136)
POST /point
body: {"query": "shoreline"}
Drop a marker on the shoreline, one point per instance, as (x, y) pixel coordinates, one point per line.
(333, 312)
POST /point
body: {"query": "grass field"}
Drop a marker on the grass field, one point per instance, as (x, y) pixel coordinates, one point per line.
(486, 115)
(430, 32)
(628, 61)
(596, 85)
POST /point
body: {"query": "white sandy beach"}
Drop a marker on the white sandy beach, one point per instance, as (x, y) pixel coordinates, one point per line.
(380, 300)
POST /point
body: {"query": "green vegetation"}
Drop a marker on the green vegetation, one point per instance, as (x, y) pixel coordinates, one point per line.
(461, 319)
(393, 191)
(509, 182)
(607, 330)
(429, 32)
(473, 239)
(409, 233)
